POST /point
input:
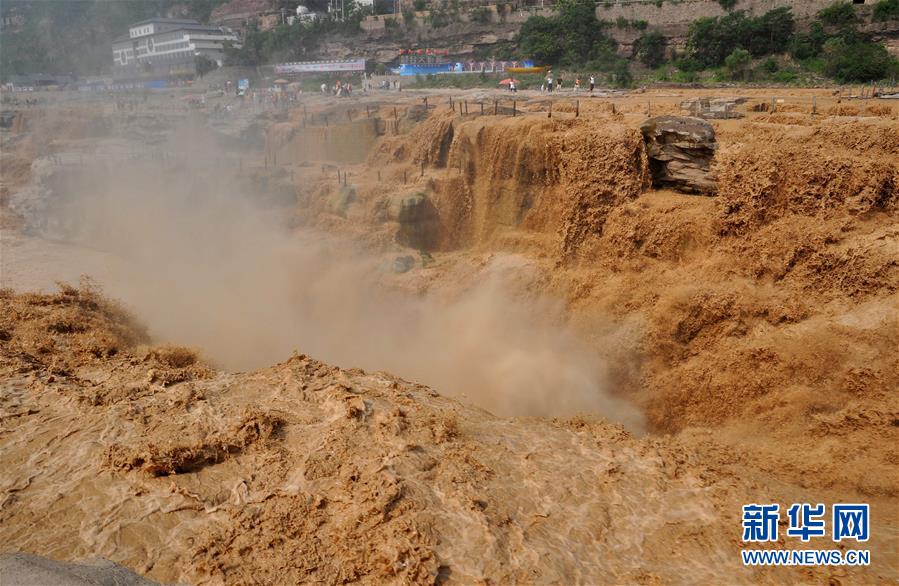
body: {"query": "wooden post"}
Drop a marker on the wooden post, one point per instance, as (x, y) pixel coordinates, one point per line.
(577, 108)
(482, 108)
(395, 117)
(814, 105)
(514, 108)
(451, 104)
(367, 111)
(549, 113)
(466, 107)
(649, 108)
(338, 177)
(495, 107)
(426, 102)
(404, 176)
(422, 168)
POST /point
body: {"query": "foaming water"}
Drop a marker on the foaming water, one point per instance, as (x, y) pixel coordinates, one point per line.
(206, 265)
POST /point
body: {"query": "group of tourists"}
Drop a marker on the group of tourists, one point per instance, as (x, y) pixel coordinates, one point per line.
(552, 84)
(339, 89)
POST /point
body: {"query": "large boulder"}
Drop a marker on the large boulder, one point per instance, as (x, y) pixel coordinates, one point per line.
(680, 151)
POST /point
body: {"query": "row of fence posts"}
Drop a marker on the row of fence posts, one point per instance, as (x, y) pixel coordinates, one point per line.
(862, 93)
(349, 114)
(463, 110)
(463, 107)
(342, 175)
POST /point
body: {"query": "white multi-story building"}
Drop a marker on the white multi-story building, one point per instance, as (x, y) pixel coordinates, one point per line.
(169, 47)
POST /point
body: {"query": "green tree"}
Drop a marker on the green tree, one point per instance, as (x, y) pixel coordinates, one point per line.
(769, 33)
(858, 61)
(805, 46)
(738, 63)
(540, 41)
(621, 74)
(711, 40)
(571, 38)
(886, 10)
(650, 49)
(479, 14)
(204, 65)
(839, 14)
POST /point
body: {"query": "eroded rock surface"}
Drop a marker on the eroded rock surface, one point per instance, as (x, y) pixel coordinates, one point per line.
(680, 152)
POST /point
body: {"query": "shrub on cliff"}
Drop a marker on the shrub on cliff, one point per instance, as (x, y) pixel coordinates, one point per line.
(573, 37)
(711, 40)
(738, 63)
(857, 61)
(886, 10)
(839, 14)
(650, 49)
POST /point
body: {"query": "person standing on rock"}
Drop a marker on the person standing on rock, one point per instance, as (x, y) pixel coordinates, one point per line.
(512, 87)
(549, 81)
(592, 83)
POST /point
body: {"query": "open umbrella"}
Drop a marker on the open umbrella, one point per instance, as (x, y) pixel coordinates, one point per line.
(508, 81)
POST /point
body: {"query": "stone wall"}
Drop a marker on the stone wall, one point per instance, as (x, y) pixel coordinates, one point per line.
(683, 12)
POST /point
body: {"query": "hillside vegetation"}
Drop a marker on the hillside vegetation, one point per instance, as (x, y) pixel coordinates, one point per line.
(74, 38)
(737, 47)
(834, 45)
